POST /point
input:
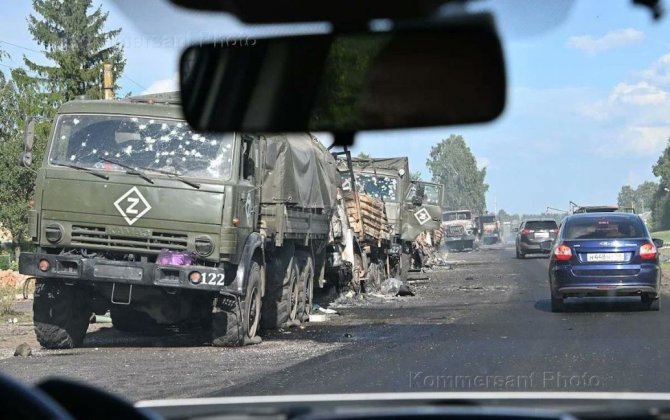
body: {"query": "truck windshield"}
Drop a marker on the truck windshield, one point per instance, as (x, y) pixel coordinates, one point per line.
(146, 143)
(378, 186)
(487, 219)
(431, 194)
(448, 217)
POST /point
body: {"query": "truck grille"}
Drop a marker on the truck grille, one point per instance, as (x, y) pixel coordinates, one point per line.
(455, 230)
(97, 237)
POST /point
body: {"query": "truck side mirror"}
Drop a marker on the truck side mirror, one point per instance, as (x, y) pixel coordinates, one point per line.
(28, 143)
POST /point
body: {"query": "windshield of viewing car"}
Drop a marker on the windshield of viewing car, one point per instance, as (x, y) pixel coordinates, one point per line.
(278, 283)
(603, 228)
(379, 186)
(92, 141)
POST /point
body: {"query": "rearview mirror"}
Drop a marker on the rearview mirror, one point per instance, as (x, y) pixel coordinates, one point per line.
(658, 242)
(26, 158)
(439, 73)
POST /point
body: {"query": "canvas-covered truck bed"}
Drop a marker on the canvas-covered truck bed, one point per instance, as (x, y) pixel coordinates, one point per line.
(298, 190)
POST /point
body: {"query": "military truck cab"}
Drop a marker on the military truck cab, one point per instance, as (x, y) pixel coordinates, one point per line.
(137, 214)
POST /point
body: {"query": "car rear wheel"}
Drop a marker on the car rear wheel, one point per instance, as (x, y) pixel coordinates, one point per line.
(651, 302)
(557, 304)
(520, 255)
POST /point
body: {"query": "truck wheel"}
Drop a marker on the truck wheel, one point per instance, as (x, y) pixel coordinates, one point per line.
(131, 320)
(280, 303)
(61, 315)
(355, 285)
(374, 277)
(306, 297)
(405, 262)
(233, 326)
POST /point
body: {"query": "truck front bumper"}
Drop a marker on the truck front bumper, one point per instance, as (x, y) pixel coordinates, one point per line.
(75, 268)
(463, 238)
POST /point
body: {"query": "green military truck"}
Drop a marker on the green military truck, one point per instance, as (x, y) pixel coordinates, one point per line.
(411, 207)
(137, 214)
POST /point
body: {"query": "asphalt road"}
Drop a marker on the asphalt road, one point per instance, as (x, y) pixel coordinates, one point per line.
(484, 325)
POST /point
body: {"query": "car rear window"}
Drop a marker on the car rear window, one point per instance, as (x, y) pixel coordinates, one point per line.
(603, 228)
(541, 225)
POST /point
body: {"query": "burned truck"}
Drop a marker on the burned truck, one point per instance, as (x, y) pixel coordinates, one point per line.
(460, 230)
(489, 229)
(407, 208)
(137, 214)
(361, 234)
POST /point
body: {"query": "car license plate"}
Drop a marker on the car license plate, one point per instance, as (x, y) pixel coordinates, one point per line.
(606, 257)
(541, 235)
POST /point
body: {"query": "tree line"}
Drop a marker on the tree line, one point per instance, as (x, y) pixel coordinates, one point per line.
(74, 44)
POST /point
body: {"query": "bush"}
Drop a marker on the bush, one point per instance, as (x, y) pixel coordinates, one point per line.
(7, 297)
(5, 262)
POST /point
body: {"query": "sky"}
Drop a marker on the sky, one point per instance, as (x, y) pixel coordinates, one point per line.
(588, 92)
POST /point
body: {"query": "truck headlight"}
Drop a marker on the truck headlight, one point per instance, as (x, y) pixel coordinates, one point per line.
(54, 233)
(204, 246)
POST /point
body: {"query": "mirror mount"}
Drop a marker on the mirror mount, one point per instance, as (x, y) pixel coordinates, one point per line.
(26, 158)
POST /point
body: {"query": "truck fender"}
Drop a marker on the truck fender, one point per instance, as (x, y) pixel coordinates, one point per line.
(253, 244)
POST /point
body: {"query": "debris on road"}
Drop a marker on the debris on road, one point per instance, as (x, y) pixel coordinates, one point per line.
(395, 287)
(23, 350)
(324, 310)
(391, 286)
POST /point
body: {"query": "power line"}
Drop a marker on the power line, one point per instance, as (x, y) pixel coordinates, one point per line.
(37, 51)
(127, 77)
(21, 46)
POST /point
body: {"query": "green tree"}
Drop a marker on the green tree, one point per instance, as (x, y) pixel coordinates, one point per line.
(661, 201)
(363, 155)
(452, 164)
(73, 36)
(640, 198)
(415, 176)
(644, 195)
(626, 196)
(20, 98)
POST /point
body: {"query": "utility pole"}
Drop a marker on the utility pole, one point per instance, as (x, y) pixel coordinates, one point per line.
(107, 81)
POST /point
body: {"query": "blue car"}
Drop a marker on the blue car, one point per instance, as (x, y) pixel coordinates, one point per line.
(605, 254)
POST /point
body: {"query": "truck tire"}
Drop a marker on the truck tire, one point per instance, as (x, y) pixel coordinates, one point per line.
(233, 326)
(405, 262)
(61, 315)
(131, 320)
(280, 303)
(306, 296)
(374, 277)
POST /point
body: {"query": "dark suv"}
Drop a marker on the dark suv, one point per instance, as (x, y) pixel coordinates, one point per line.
(535, 237)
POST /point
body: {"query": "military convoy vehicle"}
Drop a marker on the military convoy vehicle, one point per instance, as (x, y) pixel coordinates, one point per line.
(460, 230)
(411, 207)
(489, 229)
(137, 214)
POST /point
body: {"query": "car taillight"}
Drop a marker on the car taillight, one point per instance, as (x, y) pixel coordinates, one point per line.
(525, 232)
(648, 251)
(562, 252)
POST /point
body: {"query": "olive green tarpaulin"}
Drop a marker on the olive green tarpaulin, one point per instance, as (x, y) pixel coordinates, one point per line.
(303, 173)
